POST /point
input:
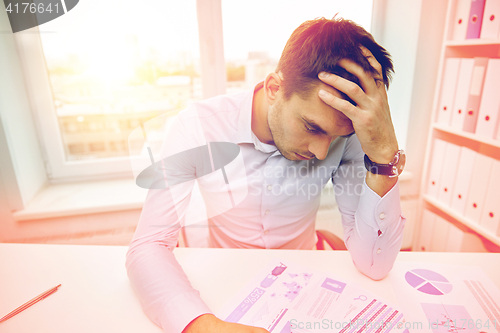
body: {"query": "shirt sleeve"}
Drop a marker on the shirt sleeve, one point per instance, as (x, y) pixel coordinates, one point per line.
(373, 225)
(161, 285)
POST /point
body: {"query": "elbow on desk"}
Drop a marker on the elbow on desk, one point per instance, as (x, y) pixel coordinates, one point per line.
(151, 244)
(129, 257)
(374, 271)
(375, 274)
(144, 248)
(376, 264)
(378, 276)
(130, 260)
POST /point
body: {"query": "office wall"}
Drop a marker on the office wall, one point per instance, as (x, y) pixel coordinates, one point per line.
(412, 31)
(19, 141)
(396, 27)
(5, 213)
(432, 23)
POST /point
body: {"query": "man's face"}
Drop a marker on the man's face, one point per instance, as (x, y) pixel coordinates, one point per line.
(304, 129)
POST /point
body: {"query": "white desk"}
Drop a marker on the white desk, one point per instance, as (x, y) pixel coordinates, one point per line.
(96, 296)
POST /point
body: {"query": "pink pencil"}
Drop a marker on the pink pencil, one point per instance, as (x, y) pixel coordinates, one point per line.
(30, 303)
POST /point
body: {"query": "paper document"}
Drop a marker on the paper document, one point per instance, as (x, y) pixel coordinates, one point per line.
(287, 298)
(447, 298)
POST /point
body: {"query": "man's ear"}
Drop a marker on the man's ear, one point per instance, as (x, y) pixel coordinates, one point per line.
(272, 86)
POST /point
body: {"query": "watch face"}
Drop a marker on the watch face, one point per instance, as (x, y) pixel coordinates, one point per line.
(397, 169)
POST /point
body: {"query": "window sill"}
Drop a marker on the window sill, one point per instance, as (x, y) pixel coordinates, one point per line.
(70, 199)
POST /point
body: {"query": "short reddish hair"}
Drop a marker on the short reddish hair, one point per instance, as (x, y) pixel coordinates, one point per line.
(318, 45)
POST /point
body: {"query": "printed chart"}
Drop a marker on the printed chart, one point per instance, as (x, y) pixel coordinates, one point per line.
(428, 282)
(446, 298)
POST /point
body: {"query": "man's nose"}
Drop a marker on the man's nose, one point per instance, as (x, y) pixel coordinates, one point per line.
(319, 147)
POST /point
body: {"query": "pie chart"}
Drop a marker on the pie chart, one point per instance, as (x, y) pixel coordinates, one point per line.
(428, 282)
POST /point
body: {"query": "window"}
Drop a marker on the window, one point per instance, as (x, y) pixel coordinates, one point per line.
(104, 68)
(253, 42)
(76, 148)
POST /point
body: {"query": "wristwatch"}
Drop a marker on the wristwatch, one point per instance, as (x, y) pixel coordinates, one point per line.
(393, 169)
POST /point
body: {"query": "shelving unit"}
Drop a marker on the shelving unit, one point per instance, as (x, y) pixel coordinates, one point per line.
(472, 42)
(462, 219)
(466, 135)
(467, 48)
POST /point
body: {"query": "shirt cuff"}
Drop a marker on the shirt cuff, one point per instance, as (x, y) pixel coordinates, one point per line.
(181, 310)
(379, 212)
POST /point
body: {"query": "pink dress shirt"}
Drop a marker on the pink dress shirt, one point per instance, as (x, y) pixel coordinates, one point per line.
(258, 200)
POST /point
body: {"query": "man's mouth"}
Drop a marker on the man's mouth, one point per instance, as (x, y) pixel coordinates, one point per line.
(303, 157)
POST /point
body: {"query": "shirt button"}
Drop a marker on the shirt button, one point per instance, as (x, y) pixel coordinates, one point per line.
(269, 187)
(266, 232)
(267, 212)
(378, 251)
(382, 216)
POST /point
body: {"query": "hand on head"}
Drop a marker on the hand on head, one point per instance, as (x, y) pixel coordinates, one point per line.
(371, 117)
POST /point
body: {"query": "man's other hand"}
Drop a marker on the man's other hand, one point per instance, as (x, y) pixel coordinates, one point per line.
(209, 323)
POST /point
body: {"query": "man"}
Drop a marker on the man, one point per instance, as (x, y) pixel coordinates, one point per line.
(294, 130)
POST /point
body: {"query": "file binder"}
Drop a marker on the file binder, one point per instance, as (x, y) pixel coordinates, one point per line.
(461, 18)
(447, 180)
(455, 239)
(475, 19)
(463, 179)
(436, 167)
(476, 88)
(488, 118)
(427, 230)
(490, 217)
(462, 93)
(478, 187)
(450, 76)
(440, 234)
(491, 20)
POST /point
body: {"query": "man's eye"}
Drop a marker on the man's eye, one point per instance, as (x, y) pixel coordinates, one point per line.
(309, 129)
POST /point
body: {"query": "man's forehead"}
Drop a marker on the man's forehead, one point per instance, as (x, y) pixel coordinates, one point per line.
(316, 102)
(313, 96)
